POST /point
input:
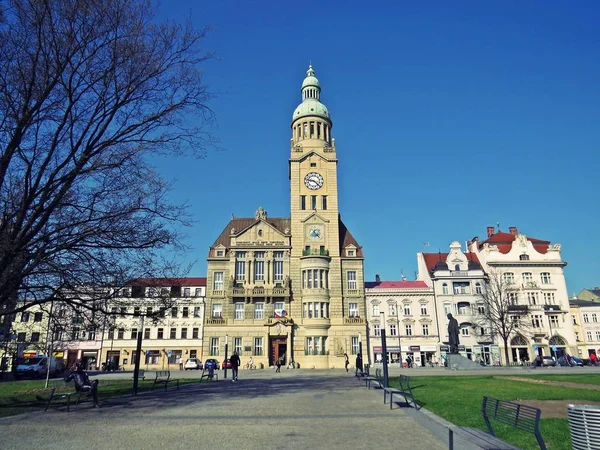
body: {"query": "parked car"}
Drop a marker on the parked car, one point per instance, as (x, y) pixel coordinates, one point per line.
(548, 361)
(193, 364)
(211, 363)
(576, 361)
(37, 366)
(226, 363)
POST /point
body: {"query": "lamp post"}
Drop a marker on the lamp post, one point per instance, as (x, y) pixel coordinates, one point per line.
(384, 349)
(225, 361)
(138, 354)
(360, 346)
(398, 331)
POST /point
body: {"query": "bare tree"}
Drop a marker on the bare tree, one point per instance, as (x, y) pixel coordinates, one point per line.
(498, 312)
(90, 91)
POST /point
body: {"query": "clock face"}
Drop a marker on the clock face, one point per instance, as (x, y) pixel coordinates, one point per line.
(313, 181)
(315, 232)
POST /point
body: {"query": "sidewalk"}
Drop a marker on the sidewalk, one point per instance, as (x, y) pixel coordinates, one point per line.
(291, 410)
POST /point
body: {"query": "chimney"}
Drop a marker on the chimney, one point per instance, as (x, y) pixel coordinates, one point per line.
(490, 231)
(377, 278)
(513, 231)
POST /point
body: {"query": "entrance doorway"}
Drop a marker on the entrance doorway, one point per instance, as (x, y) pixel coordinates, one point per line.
(277, 349)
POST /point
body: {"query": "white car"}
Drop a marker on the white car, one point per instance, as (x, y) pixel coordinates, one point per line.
(193, 364)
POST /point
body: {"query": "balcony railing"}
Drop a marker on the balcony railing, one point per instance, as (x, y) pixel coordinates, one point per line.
(459, 273)
(259, 291)
(216, 321)
(315, 252)
(354, 320)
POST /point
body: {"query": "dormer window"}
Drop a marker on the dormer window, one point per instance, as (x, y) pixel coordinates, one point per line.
(220, 253)
(457, 268)
(350, 252)
(524, 257)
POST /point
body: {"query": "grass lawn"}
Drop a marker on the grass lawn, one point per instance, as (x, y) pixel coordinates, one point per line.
(458, 399)
(17, 397)
(580, 378)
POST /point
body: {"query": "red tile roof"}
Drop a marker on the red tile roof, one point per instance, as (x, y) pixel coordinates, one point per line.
(431, 259)
(504, 242)
(395, 284)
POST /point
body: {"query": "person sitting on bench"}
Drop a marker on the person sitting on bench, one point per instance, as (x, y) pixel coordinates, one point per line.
(83, 383)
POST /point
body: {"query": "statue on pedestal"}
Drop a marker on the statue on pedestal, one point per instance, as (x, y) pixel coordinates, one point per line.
(453, 332)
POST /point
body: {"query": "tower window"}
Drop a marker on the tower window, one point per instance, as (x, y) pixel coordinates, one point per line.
(319, 130)
(312, 129)
(303, 202)
(324, 202)
(313, 202)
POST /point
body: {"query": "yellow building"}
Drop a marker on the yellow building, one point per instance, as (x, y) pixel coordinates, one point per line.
(290, 289)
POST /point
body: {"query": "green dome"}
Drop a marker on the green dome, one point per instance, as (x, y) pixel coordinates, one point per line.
(311, 81)
(311, 107)
(311, 98)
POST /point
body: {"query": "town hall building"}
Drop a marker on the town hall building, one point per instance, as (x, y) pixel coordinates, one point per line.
(290, 289)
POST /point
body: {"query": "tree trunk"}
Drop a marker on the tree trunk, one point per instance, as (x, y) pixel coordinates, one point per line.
(505, 350)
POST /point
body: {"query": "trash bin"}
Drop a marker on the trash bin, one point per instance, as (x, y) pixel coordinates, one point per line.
(584, 423)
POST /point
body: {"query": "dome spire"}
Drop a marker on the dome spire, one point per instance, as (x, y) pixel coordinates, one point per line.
(311, 98)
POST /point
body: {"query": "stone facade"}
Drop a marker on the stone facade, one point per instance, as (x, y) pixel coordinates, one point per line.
(585, 315)
(407, 310)
(534, 267)
(457, 279)
(290, 289)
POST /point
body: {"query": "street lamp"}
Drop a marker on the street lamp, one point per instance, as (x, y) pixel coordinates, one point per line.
(225, 362)
(398, 331)
(384, 349)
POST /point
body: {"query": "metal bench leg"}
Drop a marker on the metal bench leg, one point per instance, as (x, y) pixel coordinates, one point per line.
(450, 439)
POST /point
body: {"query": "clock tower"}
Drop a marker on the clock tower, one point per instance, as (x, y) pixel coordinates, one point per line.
(326, 261)
(291, 289)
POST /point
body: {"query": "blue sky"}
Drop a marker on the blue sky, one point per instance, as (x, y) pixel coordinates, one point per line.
(448, 117)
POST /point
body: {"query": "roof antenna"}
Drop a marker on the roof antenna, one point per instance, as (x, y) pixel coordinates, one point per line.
(232, 216)
(498, 225)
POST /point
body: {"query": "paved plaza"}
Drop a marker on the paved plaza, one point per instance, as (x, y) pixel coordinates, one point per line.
(294, 409)
(308, 409)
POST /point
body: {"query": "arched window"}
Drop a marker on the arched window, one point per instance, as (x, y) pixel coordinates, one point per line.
(457, 267)
(445, 288)
(463, 308)
(557, 340)
(518, 341)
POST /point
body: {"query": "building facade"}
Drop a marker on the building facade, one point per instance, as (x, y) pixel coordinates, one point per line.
(168, 313)
(534, 269)
(585, 315)
(457, 279)
(291, 289)
(407, 312)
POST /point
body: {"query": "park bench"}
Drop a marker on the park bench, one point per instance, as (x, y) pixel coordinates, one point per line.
(209, 375)
(56, 393)
(378, 378)
(164, 377)
(523, 417)
(405, 390)
(141, 375)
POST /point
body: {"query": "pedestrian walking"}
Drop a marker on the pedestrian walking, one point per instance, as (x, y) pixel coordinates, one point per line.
(346, 361)
(235, 364)
(358, 365)
(278, 365)
(180, 362)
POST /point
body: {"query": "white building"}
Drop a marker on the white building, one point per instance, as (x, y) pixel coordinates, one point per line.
(535, 268)
(407, 311)
(457, 279)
